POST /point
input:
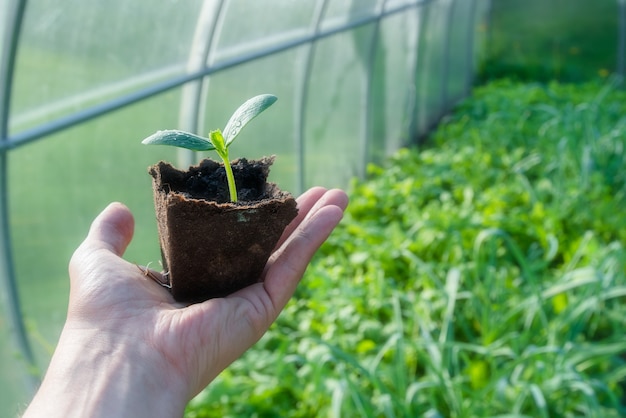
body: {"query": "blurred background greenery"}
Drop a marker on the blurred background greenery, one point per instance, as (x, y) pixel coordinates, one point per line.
(541, 40)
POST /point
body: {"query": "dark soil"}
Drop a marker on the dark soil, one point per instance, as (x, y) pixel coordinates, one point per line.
(207, 181)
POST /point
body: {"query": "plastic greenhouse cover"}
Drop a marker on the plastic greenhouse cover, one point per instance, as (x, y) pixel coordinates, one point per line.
(73, 54)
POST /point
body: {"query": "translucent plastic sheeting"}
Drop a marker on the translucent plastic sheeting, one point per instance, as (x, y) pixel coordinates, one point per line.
(4, 11)
(460, 52)
(337, 141)
(83, 52)
(395, 62)
(432, 63)
(273, 132)
(355, 80)
(266, 25)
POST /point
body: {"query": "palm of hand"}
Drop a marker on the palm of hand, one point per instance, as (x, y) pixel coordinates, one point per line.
(186, 345)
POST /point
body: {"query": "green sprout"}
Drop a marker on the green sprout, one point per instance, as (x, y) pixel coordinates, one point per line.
(218, 141)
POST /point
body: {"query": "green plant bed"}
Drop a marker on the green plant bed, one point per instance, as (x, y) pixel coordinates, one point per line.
(566, 40)
(482, 275)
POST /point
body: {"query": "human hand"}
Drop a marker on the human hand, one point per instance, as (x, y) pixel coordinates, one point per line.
(128, 349)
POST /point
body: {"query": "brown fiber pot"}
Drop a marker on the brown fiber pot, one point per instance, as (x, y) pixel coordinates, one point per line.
(210, 246)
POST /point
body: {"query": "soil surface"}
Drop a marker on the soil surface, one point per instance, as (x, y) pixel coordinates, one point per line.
(207, 180)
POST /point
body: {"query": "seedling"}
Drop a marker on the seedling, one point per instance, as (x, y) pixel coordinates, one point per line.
(218, 141)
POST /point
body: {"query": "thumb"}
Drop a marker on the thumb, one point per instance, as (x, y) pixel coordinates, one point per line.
(109, 235)
(112, 229)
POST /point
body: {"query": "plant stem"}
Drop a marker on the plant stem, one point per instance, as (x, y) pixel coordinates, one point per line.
(232, 188)
(221, 148)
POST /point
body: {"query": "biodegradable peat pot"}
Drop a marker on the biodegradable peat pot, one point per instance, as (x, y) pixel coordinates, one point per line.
(210, 246)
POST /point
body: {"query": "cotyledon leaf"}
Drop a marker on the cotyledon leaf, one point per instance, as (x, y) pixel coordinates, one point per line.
(245, 113)
(179, 139)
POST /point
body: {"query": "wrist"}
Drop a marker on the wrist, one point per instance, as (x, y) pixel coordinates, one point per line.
(92, 374)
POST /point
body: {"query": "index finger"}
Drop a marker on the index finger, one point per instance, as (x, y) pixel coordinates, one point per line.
(289, 262)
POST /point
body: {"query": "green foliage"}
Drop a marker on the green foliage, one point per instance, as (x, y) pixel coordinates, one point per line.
(484, 275)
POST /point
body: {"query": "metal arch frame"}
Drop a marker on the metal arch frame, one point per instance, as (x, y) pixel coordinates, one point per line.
(366, 119)
(469, 56)
(193, 96)
(422, 124)
(451, 4)
(302, 93)
(621, 40)
(15, 18)
(445, 70)
(413, 107)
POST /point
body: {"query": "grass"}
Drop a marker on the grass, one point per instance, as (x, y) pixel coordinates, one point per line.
(482, 275)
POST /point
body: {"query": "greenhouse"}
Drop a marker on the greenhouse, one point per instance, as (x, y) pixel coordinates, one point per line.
(479, 268)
